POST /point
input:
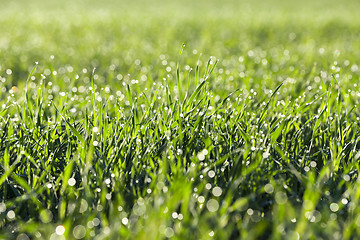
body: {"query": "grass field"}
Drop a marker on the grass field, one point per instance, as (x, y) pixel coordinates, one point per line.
(168, 120)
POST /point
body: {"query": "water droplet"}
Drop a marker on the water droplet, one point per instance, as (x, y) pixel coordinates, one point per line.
(313, 164)
(334, 207)
(269, 188)
(212, 205)
(211, 173)
(46, 216)
(71, 182)
(125, 221)
(346, 177)
(96, 222)
(22, 236)
(174, 215)
(108, 196)
(79, 232)
(60, 230)
(10, 215)
(2, 207)
(179, 152)
(217, 191)
(83, 205)
(201, 156)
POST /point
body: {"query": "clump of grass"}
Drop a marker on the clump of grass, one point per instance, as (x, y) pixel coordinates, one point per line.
(169, 166)
(261, 143)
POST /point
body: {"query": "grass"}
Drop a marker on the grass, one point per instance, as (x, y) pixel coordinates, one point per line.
(249, 130)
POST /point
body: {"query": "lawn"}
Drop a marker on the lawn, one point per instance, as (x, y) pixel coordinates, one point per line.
(179, 120)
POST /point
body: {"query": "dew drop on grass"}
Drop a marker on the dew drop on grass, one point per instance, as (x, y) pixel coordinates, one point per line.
(179, 152)
(169, 232)
(22, 236)
(212, 205)
(333, 216)
(10, 215)
(269, 188)
(266, 154)
(106, 230)
(90, 224)
(294, 235)
(313, 164)
(334, 207)
(166, 210)
(2, 207)
(60, 230)
(201, 156)
(217, 191)
(125, 221)
(83, 205)
(346, 177)
(96, 222)
(79, 232)
(46, 216)
(205, 152)
(211, 173)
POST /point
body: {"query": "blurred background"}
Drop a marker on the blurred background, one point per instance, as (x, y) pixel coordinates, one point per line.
(114, 34)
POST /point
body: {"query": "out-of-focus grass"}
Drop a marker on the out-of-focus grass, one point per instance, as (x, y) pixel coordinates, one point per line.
(262, 143)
